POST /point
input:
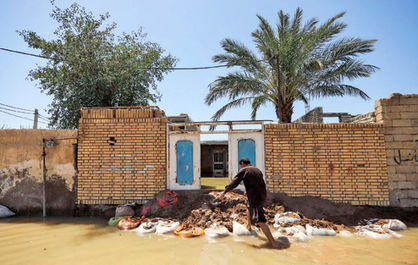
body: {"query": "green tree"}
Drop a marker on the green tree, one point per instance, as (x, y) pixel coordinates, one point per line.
(295, 61)
(89, 66)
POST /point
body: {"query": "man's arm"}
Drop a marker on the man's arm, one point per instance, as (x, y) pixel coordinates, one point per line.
(234, 183)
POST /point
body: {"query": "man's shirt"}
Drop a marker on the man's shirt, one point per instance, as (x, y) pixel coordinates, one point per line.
(253, 182)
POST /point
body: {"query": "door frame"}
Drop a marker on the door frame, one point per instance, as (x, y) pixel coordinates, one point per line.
(172, 177)
(189, 130)
(233, 139)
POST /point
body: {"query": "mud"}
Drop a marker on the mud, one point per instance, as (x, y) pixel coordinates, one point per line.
(25, 197)
(203, 208)
(341, 213)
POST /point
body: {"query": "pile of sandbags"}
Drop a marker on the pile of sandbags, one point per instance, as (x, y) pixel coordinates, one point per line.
(382, 228)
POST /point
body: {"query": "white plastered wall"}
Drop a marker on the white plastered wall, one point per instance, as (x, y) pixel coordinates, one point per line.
(233, 139)
(171, 178)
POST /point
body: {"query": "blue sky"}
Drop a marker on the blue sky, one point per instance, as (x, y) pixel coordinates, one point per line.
(192, 31)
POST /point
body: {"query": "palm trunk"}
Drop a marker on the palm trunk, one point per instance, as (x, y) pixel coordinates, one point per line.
(284, 112)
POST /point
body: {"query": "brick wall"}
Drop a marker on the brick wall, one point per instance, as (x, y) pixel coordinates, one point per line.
(339, 162)
(121, 155)
(399, 115)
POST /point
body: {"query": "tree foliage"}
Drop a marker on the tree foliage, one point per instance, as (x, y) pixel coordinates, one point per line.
(90, 66)
(294, 61)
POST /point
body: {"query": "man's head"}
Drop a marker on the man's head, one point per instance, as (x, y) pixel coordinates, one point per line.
(244, 162)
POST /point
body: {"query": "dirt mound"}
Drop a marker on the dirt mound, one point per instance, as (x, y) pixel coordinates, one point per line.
(341, 213)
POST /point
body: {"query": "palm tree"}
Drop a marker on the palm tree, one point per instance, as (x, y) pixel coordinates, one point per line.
(293, 62)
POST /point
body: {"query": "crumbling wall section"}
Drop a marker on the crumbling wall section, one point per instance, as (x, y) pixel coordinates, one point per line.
(399, 115)
(21, 171)
(339, 162)
(363, 118)
(313, 116)
(121, 155)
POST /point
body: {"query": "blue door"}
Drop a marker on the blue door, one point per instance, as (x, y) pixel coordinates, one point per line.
(246, 148)
(184, 155)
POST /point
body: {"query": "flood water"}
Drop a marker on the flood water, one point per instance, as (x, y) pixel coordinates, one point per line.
(90, 241)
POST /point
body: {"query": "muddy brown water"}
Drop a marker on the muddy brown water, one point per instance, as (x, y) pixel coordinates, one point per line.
(90, 241)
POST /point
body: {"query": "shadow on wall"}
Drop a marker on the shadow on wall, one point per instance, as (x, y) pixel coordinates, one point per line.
(23, 194)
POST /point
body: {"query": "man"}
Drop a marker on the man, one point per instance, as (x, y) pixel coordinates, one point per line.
(256, 193)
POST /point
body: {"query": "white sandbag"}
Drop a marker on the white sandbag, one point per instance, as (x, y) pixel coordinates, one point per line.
(277, 234)
(300, 228)
(395, 225)
(240, 230)
(301, 237)
(166, 227)
(345, 233)
(374, 235)
(286, 217)
(314, 231)
(289, 230)
(5, 212)
(296, 232)
(146, 228)
(216, 231)
(394, 234)
(373, 228)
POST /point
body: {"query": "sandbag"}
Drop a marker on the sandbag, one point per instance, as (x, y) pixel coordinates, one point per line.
(373, 231)
(286, 217)
(240, 230)
(372, 234)
(395, 225)
(300, 228)
(124, 210)
(166, 227)
(394, 234)
(128, 223)
(5, 212)
(345, 233)
(194, 232)
(289, 230)
(115, 220)
(146, 228)
(216, 231)
(296, 232)
(314, 231)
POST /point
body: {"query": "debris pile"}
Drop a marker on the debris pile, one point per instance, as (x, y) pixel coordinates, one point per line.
(196, 213)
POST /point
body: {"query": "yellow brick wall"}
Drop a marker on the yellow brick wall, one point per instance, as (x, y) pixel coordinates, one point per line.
(130, 168)
(339, 162)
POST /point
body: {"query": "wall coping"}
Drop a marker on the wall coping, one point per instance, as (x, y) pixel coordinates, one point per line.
(323, 125)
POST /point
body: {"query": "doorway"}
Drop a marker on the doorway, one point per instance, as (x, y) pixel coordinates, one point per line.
(196, 161)
(214, 162)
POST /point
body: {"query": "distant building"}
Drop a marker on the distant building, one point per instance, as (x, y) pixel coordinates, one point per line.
(214, 158)
(317, 115)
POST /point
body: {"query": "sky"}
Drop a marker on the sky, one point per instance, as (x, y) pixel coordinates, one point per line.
(192, 32)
